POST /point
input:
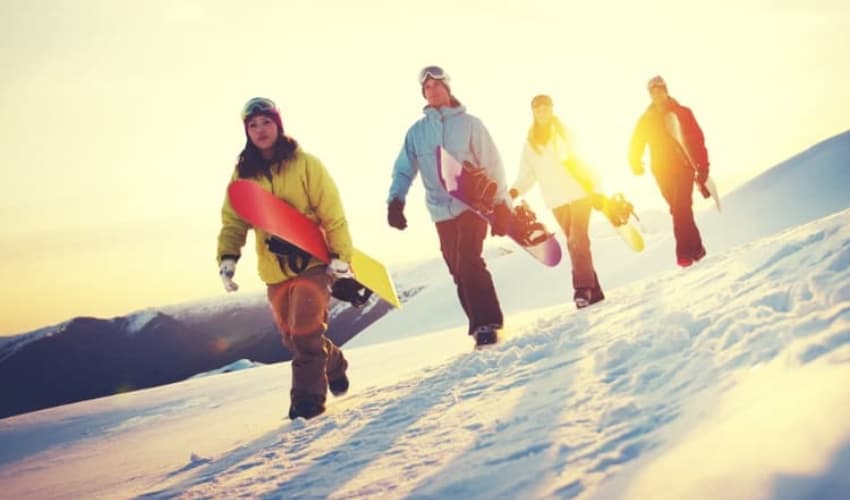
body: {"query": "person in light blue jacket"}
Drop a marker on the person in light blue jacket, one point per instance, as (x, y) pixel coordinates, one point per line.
(461, 232)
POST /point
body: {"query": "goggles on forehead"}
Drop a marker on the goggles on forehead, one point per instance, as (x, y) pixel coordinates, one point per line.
(435, 72)
(258, 105)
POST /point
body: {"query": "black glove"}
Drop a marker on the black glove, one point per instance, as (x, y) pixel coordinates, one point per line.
(348, 290)
(702, 176)
(501, 220)
(395, 214)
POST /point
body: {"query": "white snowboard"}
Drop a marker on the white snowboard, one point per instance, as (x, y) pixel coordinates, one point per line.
(674, 128)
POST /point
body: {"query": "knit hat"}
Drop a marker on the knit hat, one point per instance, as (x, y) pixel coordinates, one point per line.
(261, 106)
(656, 81)
(541, 99)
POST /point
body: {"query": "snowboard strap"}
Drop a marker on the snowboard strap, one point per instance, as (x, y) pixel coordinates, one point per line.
(288, 254)
(477, 189)
(529, 231)
(618, 210)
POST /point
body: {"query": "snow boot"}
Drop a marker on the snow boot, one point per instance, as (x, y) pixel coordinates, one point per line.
(584, 296)
(338, 386)
(687, 261)
(486, 335)
(305, 409)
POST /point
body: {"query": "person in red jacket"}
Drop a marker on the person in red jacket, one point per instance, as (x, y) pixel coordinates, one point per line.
(676, 163)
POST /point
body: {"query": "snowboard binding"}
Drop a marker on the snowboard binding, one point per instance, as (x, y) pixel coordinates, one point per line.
(618, 210)
(288, 254)
(477, 189)
(528, 230)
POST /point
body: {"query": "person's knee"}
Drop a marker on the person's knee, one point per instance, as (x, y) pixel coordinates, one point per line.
(470, 264)
(578, 241)
(310, 344)
(307, 310)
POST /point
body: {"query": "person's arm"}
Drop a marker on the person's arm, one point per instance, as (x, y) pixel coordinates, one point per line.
(231, 239)
(404, 171)
(485, 151)
(233, 232)
(525, 178)
(583, 173)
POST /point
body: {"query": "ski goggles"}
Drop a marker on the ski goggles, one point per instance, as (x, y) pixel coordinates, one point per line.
(258, 105)
(435, 72)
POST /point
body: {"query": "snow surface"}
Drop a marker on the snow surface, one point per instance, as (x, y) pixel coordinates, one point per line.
(729, 379)
(239, 364)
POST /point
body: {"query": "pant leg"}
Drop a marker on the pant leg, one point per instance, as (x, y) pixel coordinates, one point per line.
(337, 365)
(449, 234)
(574, 219)
(462, 244)
(677, 186)
(300, 309)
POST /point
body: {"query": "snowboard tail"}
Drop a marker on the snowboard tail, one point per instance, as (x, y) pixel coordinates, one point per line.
(621, 214)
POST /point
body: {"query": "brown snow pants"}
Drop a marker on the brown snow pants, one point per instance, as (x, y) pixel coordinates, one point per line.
(574, 218)
(462, 243)
(300, 310)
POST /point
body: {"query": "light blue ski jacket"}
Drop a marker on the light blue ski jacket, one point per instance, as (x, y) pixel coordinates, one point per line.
(464, 137)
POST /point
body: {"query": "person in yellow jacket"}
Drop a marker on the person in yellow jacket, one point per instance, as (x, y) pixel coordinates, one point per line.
(297, 284)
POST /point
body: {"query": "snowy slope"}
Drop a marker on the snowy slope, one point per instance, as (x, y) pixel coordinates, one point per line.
(727, 380)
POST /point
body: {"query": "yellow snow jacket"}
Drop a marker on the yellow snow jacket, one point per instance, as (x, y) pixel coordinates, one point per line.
(304, 183)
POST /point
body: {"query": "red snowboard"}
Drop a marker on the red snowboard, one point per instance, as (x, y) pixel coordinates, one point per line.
(266, 211)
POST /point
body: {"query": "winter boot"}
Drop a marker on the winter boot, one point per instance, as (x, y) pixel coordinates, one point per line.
(486, 335)
(685, 261)
(338, 386)
(586, 296)
(596, 294)
(305, 409)
(582, 297)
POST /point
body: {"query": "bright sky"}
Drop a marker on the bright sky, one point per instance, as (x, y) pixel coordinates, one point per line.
(119, 120)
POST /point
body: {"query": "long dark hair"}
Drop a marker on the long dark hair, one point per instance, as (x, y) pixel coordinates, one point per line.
(251, 162)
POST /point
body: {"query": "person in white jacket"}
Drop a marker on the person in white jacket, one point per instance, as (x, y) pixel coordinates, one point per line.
(568, 188)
